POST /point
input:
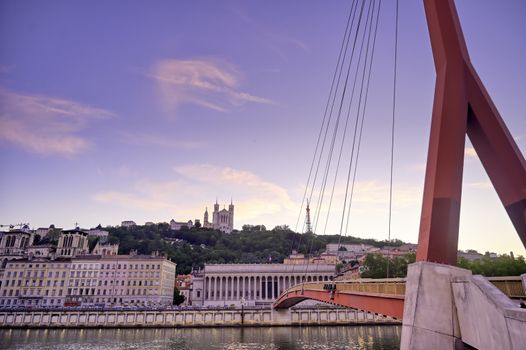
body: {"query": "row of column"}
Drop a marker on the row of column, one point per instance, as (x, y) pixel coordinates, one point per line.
(253, 287)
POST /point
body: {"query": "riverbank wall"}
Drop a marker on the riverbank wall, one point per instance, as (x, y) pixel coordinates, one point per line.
(187, 318)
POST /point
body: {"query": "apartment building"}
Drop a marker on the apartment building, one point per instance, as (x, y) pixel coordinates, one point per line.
(90, 280)
(35, 282)
(121, 280)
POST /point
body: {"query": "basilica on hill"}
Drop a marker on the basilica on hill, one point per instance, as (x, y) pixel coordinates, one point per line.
(222, 220)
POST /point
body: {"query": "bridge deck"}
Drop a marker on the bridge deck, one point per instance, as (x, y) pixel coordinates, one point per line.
(381, 296)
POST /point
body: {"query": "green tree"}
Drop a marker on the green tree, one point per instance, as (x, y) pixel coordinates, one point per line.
(92, 242)
(198, 246)
(503, 265)
(376, 265)
(178, 297)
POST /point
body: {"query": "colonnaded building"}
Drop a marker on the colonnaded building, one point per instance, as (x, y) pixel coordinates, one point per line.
(252, 284)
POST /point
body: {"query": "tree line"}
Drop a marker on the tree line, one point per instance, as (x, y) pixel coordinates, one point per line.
(375, 265)
(192, 248)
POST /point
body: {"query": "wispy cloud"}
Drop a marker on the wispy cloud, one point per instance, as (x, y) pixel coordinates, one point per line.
(254, 197)
(257, 200)
(44, 124)
(203, 82)
(275, 42)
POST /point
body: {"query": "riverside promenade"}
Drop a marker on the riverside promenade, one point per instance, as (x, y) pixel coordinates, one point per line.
(65, 318)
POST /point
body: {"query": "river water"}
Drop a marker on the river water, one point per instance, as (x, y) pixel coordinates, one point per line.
(260, 338)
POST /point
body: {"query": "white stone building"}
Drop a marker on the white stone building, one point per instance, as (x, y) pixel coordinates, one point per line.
(348, 250)
(34, 282)
(176, 226)
(40, 251)
(111, 280)
(252, 284)
(14, 243)
(121, 280)
(72, 243)
(97, 232)
(105, 249)
(222, 220)
(128, 223)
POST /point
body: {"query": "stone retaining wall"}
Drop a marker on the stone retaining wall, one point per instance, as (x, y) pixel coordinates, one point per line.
(186, 318)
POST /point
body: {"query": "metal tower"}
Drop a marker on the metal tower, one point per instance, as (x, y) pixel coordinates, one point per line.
(307, 220)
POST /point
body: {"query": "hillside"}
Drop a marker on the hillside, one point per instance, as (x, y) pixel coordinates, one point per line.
(192, 248)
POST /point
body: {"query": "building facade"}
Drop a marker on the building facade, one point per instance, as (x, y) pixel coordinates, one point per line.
(300, 259)
(97, 232)
(105, 249)
(183, 283)
(35, 282)
(128, 223)
(177, 225)
(90, 280)
(72, 243)
(252, 284)
(14, 243)
(121, 280)
(222, 220)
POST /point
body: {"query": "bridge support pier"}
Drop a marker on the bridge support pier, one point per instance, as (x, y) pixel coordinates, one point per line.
(430, 318)
(446, 308)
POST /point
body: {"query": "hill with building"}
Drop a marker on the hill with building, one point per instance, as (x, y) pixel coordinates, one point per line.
(193, 247)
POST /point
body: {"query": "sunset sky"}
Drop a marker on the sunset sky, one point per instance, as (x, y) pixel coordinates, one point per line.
(148, 111)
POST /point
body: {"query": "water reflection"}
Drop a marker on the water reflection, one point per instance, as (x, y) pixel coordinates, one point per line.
(262, 338)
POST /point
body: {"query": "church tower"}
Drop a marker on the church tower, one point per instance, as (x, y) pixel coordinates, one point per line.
(231, 215)
(215, 214)
(206, 223)
(223, 220)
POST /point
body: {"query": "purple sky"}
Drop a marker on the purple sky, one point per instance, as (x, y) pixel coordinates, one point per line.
(150, 110)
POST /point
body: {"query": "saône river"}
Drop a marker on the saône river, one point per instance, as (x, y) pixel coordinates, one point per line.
(256, 338)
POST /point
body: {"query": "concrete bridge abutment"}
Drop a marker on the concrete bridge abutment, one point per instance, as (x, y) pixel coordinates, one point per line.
(447, 308)
(430, 319)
